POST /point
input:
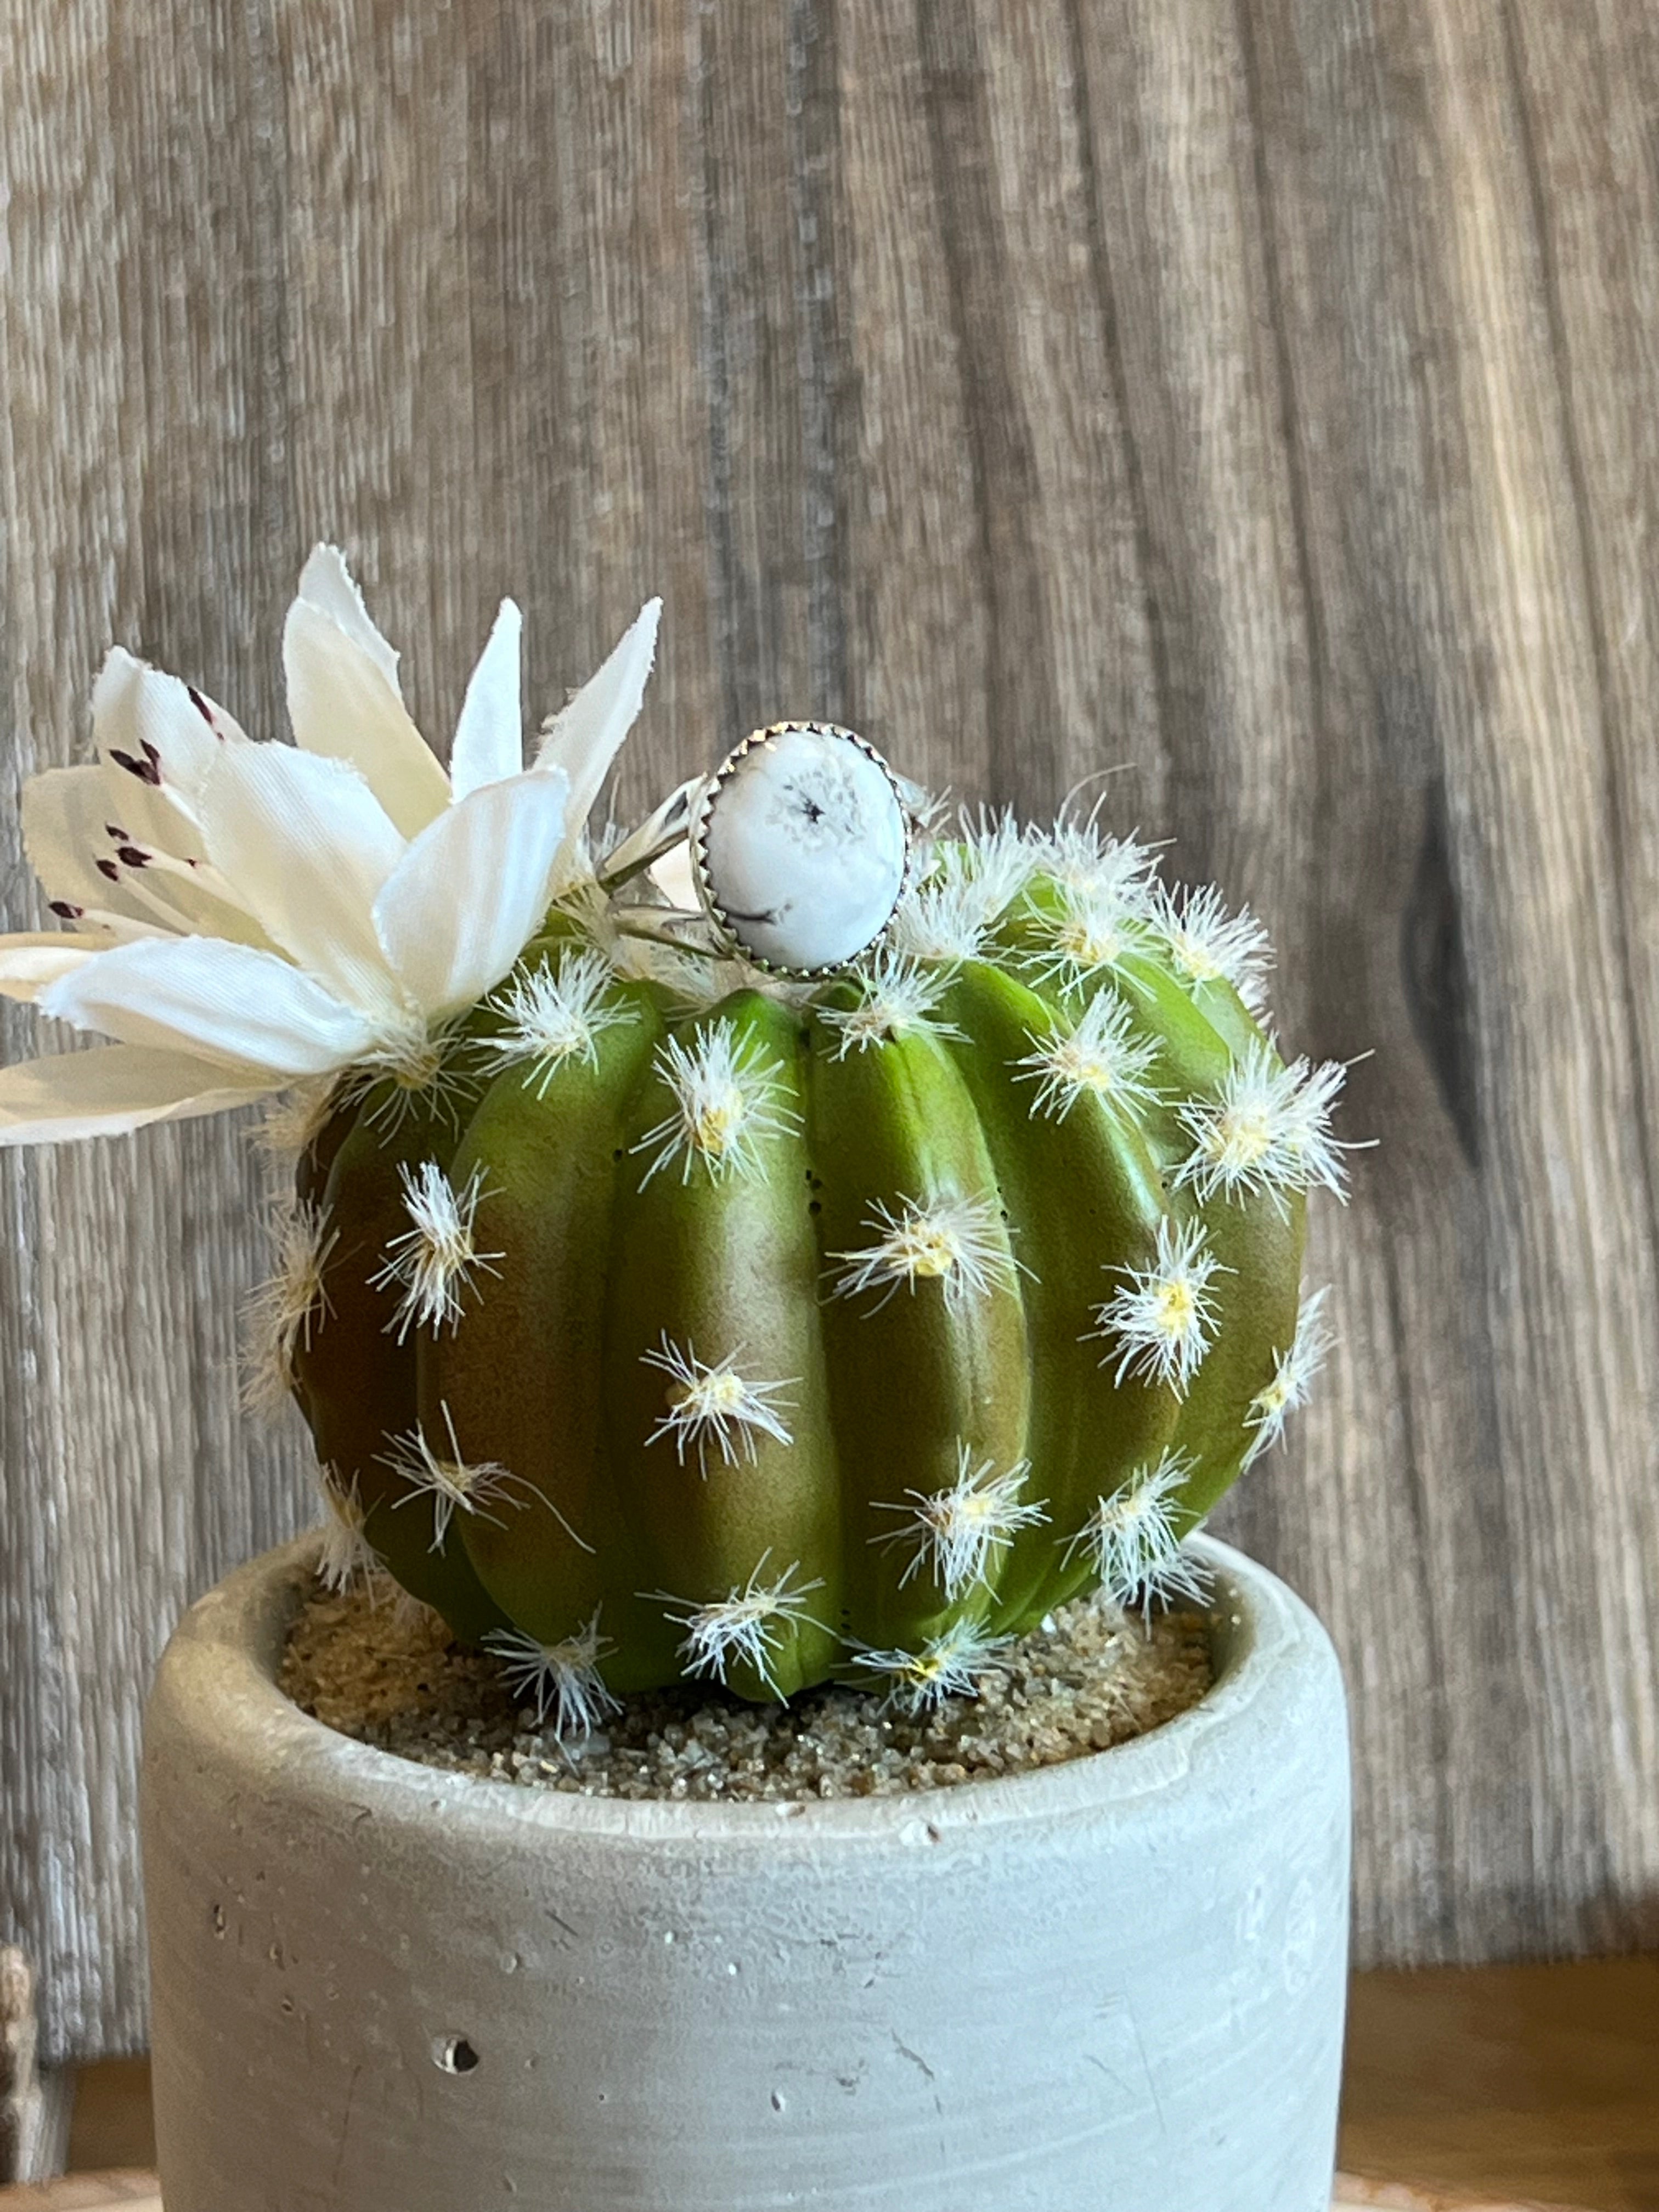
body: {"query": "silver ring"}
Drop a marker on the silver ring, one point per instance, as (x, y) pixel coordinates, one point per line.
(800, 847)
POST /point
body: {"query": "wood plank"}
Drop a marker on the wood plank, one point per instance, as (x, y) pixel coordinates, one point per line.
(1353, 2195)
(128, 1479)
(87, 2192)
(112, 2124)
(1542, 2081)
(1251, 395)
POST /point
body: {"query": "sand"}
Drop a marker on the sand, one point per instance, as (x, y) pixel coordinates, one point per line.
(385, 1672)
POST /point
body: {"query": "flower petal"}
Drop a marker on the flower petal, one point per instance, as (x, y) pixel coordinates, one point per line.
(30, 960)
(110, 1089)
(227, 1003)
(327, 584)
(675, 878)
(66, 826)
(490, 735)
(122, 876)
(471, 892)
(310, 848)
(344, 706)
(584, 739)
(158, 739)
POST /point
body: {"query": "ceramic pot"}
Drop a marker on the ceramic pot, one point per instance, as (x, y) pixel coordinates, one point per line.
(1111, 1986)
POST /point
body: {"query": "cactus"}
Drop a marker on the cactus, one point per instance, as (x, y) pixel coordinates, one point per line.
(782, 1332)
(658, 1315)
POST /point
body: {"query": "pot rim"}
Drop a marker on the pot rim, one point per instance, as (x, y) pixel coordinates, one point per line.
(217, 1681)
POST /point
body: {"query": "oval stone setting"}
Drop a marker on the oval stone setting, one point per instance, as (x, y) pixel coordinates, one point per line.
(802, 845)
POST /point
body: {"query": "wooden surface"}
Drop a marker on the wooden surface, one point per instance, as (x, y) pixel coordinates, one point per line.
(1257, 395)
(1536, 2081)
(113, 2125)
(91, 2192)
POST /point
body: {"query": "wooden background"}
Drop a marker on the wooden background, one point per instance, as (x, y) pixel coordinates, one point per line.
(1256, 394)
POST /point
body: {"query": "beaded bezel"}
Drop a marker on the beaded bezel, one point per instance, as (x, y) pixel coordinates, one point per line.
(703, 809)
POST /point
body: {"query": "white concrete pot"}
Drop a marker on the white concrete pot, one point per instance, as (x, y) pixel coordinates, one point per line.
(1112, 1986)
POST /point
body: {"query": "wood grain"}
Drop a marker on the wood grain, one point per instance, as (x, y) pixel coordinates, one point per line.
(1353, 2195)
(1253, 396)
(87, 2192)
(1536, 2081)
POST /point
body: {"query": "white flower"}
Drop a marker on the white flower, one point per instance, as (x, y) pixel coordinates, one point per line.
(456, 1484)
(742, 1625)
(726, 1099)
(955, 1532)
(1099, 1056)
(562, 1678)
(958, 1242)
(346, 1554)
(1240, 1138)
(1163, 1319)
(948, 1665)
(970, 882)
(1268, 1129)
(1134, 1538)
(1089, 931)
(555, 1014)
(282, 1314)
(1205, 944)
(1102, 870)
(1292, 1379)
(715, 1405)
(245, 916)
(994, 855)
(898, 996)
(945, 920)
(1105, 888)
(434, 1259)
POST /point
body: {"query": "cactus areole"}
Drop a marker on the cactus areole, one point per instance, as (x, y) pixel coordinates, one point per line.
(824, 1276)
(690, 1325)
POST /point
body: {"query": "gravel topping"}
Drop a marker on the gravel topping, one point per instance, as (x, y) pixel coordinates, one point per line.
(380, 1668)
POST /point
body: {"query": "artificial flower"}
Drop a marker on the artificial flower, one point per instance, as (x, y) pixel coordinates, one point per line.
(245, 916)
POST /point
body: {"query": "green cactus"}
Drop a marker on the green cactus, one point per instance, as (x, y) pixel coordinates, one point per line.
(808, 1332)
